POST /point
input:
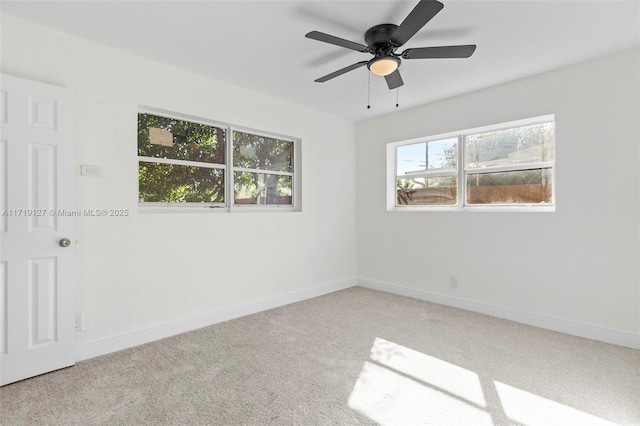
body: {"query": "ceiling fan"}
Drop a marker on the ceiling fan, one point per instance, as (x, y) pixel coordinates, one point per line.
(383, 40)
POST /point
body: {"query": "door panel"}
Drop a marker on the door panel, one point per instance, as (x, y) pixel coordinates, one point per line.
(42, 301)
(37, 275)
(41, 186)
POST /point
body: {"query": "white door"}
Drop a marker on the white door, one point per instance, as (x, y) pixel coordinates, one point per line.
(37, 274)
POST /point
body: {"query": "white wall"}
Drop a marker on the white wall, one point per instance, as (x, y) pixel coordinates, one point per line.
(147, 270)
(579, 264)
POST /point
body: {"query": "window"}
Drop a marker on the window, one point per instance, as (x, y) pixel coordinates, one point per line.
(262, 169)
(508, 166)
(183, 162)
(427, 173)
(180, 161)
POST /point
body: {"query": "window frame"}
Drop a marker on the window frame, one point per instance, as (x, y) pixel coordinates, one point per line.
(233, 169)
(229, 203)
(462, 172)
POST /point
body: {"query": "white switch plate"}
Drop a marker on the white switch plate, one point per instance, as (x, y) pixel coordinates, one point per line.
(86, 170)
(79, 323)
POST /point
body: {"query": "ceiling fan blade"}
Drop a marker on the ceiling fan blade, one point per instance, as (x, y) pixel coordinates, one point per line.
(317, 35)
(394, 80)
(340, 72)
(439, 52)
(419, 16)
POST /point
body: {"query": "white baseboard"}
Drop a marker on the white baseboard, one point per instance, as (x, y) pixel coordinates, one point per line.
(105, 346)
(556, 324)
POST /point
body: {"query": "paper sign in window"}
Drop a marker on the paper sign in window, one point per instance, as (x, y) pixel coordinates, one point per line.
(160, 136)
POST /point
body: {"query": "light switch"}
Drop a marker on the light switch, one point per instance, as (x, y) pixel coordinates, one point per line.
(90, 170)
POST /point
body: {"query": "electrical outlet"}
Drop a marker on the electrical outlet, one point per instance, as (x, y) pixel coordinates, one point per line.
(79, 325)
(453, 282)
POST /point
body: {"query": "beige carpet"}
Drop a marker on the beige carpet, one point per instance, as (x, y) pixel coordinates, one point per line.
(354, 357)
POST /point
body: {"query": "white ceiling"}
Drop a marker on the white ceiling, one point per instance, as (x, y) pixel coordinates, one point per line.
(260, 45)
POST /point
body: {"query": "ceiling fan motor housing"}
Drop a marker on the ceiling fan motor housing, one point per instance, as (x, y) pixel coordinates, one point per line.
(378, 39)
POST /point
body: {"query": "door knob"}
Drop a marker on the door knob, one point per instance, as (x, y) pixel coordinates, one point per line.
(65, 242)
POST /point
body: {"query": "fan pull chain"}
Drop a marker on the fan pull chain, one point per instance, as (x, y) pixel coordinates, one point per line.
(397, 96)
(369, 92)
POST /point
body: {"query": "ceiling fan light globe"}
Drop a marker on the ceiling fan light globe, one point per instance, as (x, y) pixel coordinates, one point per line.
(383, 66)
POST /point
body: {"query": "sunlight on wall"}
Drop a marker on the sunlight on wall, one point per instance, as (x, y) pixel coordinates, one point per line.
(398, 385)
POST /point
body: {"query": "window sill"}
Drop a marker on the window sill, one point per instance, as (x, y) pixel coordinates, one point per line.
(481, 209)
(182, 209)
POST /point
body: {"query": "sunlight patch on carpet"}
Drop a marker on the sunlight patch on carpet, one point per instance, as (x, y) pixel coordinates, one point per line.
(527, 408)
(389, 398)
(403, 385)
(399, 385)
(441, 375)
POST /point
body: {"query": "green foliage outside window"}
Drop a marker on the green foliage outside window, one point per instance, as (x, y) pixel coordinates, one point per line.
(185, 141)
(262, 153)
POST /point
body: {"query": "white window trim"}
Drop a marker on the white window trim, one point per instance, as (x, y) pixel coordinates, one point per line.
(462, 172)
(510, 168)
(262, 207)
(429, 174)
(228, 205)
(182, 162)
